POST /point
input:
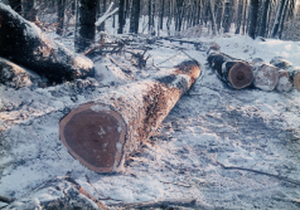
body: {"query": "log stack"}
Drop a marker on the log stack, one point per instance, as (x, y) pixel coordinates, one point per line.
(103, 133)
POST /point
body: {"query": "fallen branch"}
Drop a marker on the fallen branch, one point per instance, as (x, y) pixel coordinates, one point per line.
(107, 14)
(260, 172)
(102, 134)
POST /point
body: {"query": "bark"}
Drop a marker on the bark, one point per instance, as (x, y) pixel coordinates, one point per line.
(179, 15)
(235, 73)
(15, 76)
(60, 17)
(219, 13)
(121, 16)
(85, 24)
(227, 16)
(277, 19)
(102, 10)
(212, 18)
(134, 17)
(253, 20)
(102, 134)
(282, 19)
(162, 12)
(286, 66)
(239, 16)
(28, 46)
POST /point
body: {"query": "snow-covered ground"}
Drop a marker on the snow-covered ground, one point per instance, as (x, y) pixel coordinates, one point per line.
(224, 148)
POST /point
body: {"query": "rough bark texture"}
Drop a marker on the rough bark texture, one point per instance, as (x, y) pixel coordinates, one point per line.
(26, 45)
(15, 76)
(235, 73)
(104, 133)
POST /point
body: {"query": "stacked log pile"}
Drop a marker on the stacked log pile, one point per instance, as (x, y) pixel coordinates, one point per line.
(278, 75)
(103, 133)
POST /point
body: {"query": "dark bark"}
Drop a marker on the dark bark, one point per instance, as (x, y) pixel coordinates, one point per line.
(121, 16)
(282, 19)
(29, 10)
(134, 17)
(212, 17)
(60, 16)
(102, 10)
(162, 11)
(219, 13)
(16, 5)
(245, 20)
(104, 133)
(85, 24)
(277, 19)
(28, 46)
(253, 20)
(235, 73)
(239, 16)
(264, 15)
(179, 15)
(150, 26)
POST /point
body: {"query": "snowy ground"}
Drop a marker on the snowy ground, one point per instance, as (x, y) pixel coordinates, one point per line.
(254, 134)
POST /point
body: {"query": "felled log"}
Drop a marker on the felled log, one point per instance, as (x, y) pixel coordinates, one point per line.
(287, 67)
(15, 76)
(25, 44)
(265, 76)
(102, 134)
(235, 73)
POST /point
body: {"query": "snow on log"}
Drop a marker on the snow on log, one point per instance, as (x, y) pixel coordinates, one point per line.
(15, 76)
(293, 72)
(25, 44)
(235, 73)
(265, 76)
(284, 82)
(102, 134)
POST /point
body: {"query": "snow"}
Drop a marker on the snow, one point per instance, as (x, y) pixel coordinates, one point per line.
(211, 124)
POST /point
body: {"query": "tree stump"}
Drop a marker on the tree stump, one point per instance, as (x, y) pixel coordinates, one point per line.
(23, 43)
(235, 73)
(103, 133)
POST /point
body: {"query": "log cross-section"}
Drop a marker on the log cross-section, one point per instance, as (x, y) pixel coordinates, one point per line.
(103, 133)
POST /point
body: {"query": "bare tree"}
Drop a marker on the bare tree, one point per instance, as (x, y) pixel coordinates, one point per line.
(134, 17)
(85, 24)
(121, 16)
(60, 17)
(227, 17)
(253, 18)
(264, 15)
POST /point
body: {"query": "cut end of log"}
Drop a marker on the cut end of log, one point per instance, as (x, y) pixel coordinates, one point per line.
(240, 75)
(266, 78)
(94, 134)
(284, 83)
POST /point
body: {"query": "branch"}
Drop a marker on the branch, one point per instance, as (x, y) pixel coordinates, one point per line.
(106, 15)
(296, 182)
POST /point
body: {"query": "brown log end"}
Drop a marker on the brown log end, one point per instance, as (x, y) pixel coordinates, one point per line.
(240, 75)
(296, 82)
(94, 134)
(284, 83)
(266, 78)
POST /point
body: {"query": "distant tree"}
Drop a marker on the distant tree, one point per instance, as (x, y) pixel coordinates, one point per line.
(212, 17)
(101, 10)
(121, 16)
(16, 5)
(29, 10)
(134, 17)
(239, 16)
(85, 24)
(219, 13)
(254, 4)
(179, 14)
(278, 17)
(264, 15)
(227, 17)
(288, 9)
(60, 16)
(161, 17)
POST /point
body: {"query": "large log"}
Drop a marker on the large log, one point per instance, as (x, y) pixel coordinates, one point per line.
(287, 67)
(235, 73)
(102, 134)
(25, 44)
(15, 76)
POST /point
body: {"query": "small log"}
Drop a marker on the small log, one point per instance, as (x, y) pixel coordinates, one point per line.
(294, 72)
(265, 76)
(25, 44)
(102, 134)
(284, 81)
(235, 73)
(15, 76)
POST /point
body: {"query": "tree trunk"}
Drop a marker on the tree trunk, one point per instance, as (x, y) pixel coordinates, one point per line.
(235, 73)
(265, 76)
(16, 5)
(29, 10)
(219, 13)
(134, 17)
(277, 19)
(162, 11)
(27, 45)
(60, 17)
(294, 73)
(212, 18)
(85, 24)
(121, 16)
(227, 16)
(263, 22)
(253, 21)
(282, 19)
(102, 10)
(104, 133)
(14, 76)
(239, 16)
